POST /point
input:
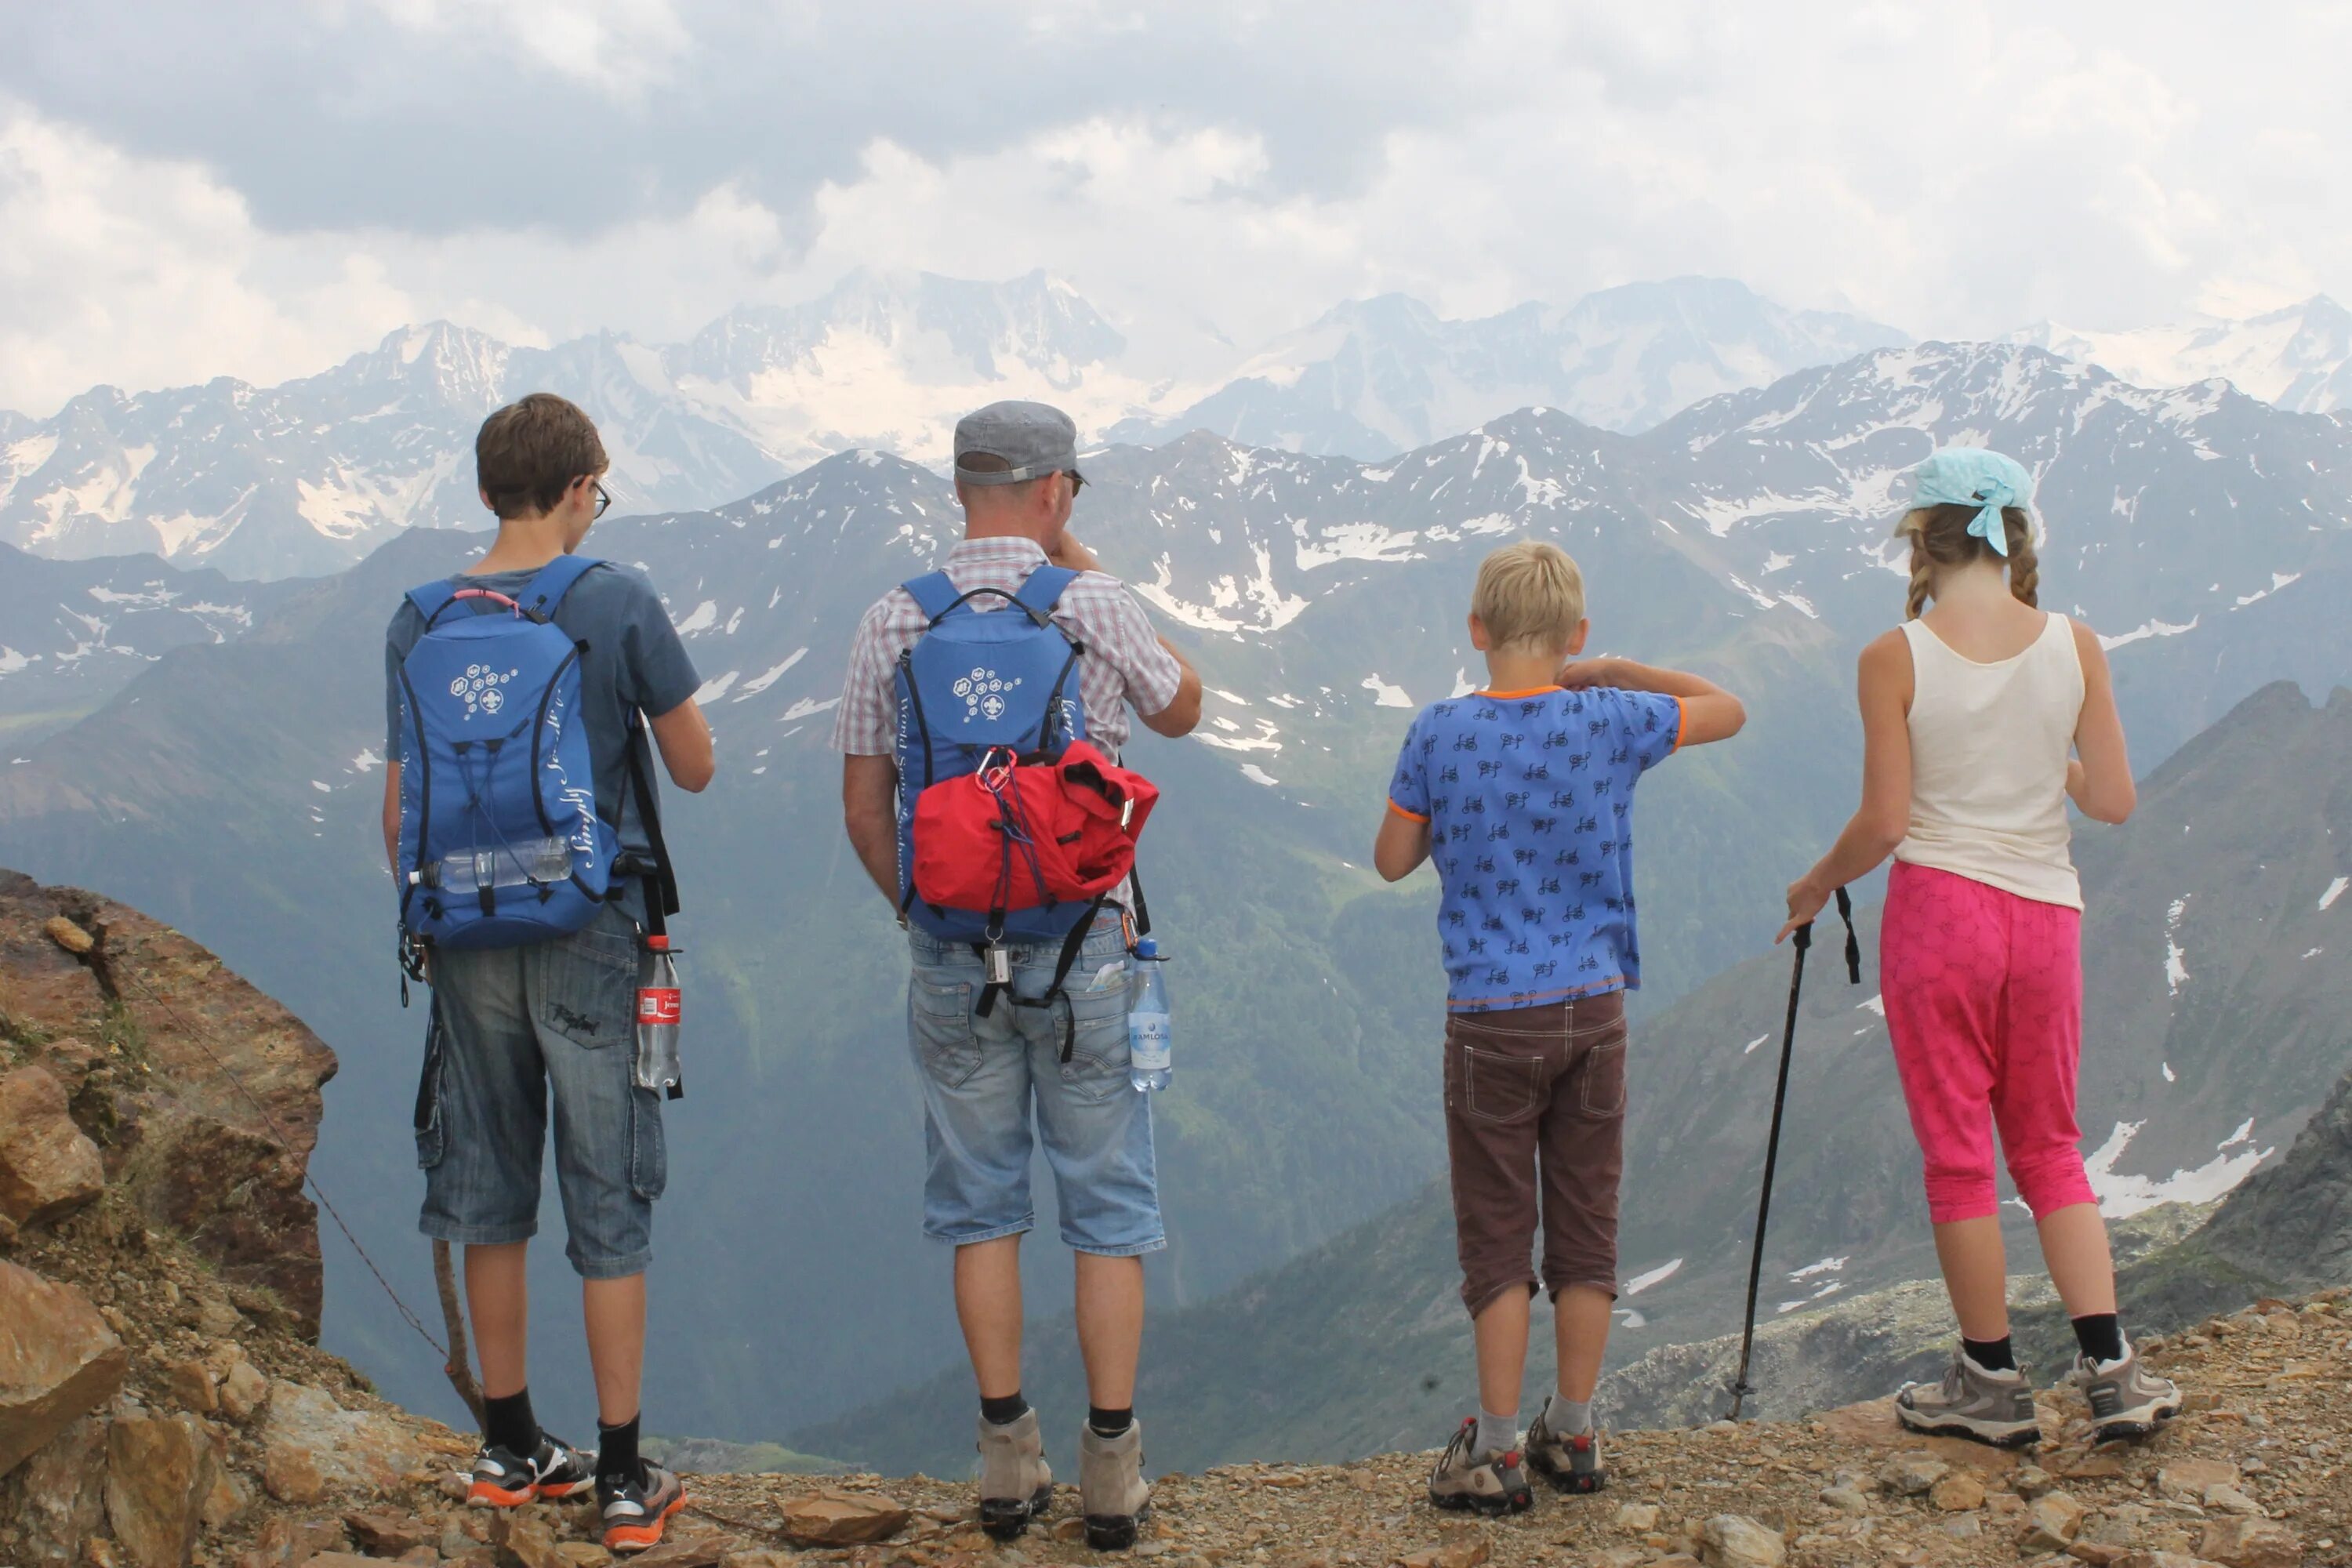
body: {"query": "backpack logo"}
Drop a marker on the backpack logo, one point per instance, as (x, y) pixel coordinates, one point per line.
(478, 689)
(984, 693)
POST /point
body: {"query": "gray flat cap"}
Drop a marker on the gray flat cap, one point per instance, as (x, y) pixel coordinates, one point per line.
(1034, 438)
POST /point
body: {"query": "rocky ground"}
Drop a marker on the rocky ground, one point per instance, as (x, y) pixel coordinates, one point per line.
(161, 1403)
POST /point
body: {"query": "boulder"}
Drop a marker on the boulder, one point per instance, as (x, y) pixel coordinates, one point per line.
(2185, 1480)
(240, 1386)
(159, 1471)
(389, 1535)
(528, 1541)
(58, 1496)
(2251, 1544)
(227, 1503)
(47, 1168)
(1962, 1491)
(1912, 1474)
(1734, 1541)
(1846, 1500)
(190, 1384)
(312, 1447)
(1637, 1518)
(57, 1361)
(2052, 1522)
(841, 1519)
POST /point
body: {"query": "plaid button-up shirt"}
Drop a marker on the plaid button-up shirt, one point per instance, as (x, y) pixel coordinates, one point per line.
(1124, 663)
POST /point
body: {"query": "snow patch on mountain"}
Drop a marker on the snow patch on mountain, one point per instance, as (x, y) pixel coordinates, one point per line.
(2122, 1196)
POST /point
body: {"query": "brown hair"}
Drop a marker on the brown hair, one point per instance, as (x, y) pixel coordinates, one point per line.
(528, 453)
(1529, 598)
(1939, 536)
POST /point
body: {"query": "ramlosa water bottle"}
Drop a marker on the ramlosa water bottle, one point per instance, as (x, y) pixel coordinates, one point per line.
(659, 1005)
(1148, 1065)
(535, 861)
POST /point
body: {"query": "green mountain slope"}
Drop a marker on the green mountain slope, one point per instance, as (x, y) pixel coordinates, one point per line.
(1361, 1345)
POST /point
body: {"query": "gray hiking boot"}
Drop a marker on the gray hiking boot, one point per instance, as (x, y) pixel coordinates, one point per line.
(1569, 1460)
(1111, 1489)
(1486, 1483)
(1015, 1483)
(1995, 1408)
(2126, 1400)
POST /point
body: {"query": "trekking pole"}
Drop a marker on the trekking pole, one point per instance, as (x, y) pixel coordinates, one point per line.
(1740, 1389)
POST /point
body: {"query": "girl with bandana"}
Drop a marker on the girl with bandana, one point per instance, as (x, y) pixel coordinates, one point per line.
(1982, 715)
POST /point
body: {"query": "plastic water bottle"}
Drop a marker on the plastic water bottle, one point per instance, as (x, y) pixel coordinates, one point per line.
(1146, 1022)
(535, 861)
(660, 1004)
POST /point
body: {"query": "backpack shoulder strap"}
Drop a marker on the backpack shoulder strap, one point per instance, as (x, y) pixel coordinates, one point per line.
(934, 594)
(545, 591)
(1043, 590)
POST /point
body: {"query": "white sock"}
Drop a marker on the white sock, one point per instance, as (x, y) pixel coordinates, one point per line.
(1498, 1433)
(1567, 1417)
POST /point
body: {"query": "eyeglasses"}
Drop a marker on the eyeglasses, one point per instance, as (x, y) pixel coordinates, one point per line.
(1078, 481)
(603, 498)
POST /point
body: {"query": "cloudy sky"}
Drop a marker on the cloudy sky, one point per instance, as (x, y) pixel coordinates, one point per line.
(190, 189)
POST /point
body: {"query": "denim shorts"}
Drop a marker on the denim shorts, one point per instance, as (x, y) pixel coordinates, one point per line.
(980, 1077)
(509, 1026)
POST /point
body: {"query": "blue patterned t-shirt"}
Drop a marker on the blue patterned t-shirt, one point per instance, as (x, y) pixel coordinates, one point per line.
(1528, 796)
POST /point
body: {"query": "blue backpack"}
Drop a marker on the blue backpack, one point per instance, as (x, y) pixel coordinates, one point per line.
(500, 839)
(1004, 682)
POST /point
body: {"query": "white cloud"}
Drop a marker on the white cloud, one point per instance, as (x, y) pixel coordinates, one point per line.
(1220, 169)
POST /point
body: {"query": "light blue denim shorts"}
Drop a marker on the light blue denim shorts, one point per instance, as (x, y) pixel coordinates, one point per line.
(514, 1028)
(981, 1078)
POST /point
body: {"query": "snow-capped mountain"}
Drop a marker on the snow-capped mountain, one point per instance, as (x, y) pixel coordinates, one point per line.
(1374, 377)
(307, 476)
(2299, 357)
(2208, 534)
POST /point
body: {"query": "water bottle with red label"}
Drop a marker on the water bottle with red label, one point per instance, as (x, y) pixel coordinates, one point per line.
(659, 1005)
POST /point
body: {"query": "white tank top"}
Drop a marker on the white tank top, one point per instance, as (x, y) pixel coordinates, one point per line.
(1989, 750)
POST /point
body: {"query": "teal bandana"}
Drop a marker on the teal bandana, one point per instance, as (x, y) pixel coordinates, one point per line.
(1977, 477)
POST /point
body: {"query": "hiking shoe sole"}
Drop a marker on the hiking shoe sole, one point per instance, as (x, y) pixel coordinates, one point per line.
(1569, 1481)
(1991, 1433)
(482, 1494)
(2134, 1426)
(1114, 1532)
(625, 1539)
(1493, 1507)
(1008, 1518)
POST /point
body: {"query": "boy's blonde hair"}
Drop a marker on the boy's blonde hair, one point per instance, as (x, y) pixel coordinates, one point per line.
(1529, 598)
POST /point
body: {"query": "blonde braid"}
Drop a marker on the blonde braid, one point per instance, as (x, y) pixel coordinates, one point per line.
(1923, 577)
(2024, 565)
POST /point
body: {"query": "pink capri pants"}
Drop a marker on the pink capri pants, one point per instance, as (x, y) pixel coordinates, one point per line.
(1983, 992)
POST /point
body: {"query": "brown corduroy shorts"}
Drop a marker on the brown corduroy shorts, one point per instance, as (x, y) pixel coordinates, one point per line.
(1534, 1132)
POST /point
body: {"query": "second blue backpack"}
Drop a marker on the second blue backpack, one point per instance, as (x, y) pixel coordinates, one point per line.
(1006, 680)
(500, 840)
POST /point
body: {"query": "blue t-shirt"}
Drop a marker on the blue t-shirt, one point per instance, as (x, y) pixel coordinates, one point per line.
(1528, 796)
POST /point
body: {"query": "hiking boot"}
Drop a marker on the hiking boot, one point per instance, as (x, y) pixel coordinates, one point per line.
(636, 1508)
(2126, 1400)
(1569, 1460)
(1994, 1407)
(1486, 1483)
(502, 1479)
(1111, 1489)
(1015, 1483)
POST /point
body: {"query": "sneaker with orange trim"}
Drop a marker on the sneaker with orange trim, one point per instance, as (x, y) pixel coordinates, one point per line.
(636, 1508)
(503, 1479)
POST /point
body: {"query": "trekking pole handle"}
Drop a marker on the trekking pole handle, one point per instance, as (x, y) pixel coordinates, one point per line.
(1853, 943)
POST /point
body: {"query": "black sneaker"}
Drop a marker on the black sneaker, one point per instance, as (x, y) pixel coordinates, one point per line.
(502, 1479)
(637, 1509)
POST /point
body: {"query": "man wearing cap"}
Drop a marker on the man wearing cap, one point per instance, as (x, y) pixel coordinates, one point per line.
(1017, 476)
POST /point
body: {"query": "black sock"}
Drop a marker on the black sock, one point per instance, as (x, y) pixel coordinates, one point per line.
(1109, 1423)
(1993, 1355)
(508, 1423)
(2101, 1335)
(1004, 1411)
(616, 1451)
